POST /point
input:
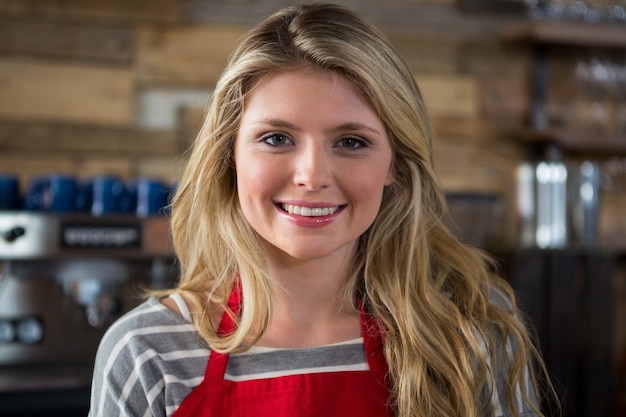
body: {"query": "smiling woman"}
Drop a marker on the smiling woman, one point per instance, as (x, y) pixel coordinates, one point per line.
(318, 275)
(332, 160)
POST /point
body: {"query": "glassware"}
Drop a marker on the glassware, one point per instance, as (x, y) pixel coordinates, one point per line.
(588, 11)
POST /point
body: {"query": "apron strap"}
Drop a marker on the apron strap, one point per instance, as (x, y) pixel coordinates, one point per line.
(372, 332)
(216, 367)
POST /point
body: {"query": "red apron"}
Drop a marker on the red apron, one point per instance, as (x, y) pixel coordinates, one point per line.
(327, 394)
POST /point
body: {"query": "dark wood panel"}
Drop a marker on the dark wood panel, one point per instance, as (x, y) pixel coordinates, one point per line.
(95, 10)
(574, 140)
(526, 275)
(66, 92)
(32, 138)
(565, 340)
(184, 55)
(600, 371)
(568, 33)
(40, 38)
(569, 296)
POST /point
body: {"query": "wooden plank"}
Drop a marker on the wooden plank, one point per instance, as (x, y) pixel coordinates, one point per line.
(61, 92)
(184, 55)
(486, 167)
(575, 140)
(493, 58)
(40, 38)
(91, 166)
(96, 10)
(568, 33)
(461, 156)
(472, 180)
(478, 129)
(168, 169)
(453, 96)
(30, 138)
(428, 54)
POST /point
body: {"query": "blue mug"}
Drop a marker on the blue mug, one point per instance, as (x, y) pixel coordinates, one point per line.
(55, 193)
(62, 190)
(84, 196)
(35, 193)
(9, 192)
(110, 196)
(128, 203)
(152, 197)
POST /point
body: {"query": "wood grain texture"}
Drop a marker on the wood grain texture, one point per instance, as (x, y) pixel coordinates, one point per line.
(31, 138)
(450, 95)
(113, 44)
(95, 10)
(63, 92)
(184, 55)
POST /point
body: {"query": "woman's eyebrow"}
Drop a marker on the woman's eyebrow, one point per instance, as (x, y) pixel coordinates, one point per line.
(350, 126)
(356, 126)
(277, 123)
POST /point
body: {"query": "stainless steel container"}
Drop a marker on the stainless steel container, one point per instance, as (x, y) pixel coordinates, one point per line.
(556, 204)
(584, 203)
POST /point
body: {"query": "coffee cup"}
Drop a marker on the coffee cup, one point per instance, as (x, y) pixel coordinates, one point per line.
(9, 192)
(152, 197)
(62, 193)
(55, 193)
(109, 193)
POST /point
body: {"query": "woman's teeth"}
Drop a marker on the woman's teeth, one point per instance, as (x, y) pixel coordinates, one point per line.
(308, 211)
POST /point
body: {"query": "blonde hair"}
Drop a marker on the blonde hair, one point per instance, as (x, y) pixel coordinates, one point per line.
(430, 293)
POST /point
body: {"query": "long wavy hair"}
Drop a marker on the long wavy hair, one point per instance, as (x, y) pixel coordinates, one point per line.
(429, 292)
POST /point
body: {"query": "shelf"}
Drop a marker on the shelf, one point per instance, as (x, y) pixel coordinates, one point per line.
(571, 140)
(568, 33)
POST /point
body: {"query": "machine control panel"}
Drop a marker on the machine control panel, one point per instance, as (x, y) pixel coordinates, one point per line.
(27, 330)
(91, 235)
(35, 235)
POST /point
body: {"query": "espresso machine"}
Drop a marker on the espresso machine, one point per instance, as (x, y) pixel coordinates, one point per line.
(65, 277)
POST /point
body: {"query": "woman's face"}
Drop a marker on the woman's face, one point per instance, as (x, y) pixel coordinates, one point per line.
(312, 159)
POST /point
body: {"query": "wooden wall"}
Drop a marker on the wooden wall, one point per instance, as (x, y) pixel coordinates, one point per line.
(76, 76)
(119, 87)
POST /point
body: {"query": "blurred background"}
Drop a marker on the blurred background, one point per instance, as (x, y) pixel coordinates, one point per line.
(99, 101)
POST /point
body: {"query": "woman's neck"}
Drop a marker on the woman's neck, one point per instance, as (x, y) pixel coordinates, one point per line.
(310, 307)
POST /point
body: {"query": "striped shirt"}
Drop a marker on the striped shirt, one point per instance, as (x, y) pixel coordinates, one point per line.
(152, 358)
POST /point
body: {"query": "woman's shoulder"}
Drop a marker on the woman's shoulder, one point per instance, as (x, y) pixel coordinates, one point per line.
(143, 351)
(150, 325)
(150, 313)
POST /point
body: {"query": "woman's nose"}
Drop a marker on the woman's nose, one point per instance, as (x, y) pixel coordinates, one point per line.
(313, 168)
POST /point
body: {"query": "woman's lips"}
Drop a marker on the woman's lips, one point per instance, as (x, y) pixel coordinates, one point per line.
(310, 216)
(308, 211)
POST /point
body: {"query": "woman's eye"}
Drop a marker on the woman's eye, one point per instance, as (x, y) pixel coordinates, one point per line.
(352, 142)
(276, 139)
